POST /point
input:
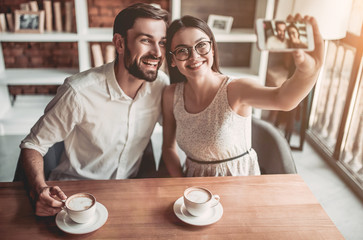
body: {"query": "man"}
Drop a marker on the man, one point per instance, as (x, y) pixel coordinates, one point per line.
(278, 41)
(105, 115)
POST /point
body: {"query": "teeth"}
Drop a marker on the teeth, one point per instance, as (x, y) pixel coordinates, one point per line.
(196, 65)
(150, 63)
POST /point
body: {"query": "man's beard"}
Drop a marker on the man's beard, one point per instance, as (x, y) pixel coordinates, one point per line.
(135, 70)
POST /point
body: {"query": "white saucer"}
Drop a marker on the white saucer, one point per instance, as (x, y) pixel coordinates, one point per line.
(210, 217)
(69, 226)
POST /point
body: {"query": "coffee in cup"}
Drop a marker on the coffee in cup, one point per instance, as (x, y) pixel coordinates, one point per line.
(199, 200)
(80, 207)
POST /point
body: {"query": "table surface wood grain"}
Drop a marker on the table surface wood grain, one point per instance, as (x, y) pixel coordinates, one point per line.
(255, 207)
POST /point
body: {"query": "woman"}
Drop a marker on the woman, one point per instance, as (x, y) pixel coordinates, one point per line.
(209, 114)
(294, 35)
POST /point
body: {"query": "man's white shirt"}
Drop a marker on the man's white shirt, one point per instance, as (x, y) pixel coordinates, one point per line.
(274, 42)
(105, 131)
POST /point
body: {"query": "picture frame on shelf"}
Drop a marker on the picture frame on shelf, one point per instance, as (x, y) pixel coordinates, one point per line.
(29, 21)
(219, 23)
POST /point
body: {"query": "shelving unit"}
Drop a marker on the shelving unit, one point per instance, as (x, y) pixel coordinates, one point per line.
(83, 38)
(27, 109)
(86, 35)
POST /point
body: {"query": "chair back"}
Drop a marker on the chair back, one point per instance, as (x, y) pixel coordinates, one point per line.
(53, 156)
(273, 151)
(51, 160)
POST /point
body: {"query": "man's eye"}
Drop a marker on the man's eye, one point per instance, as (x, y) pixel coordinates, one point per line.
(162, 43)
(145, 40)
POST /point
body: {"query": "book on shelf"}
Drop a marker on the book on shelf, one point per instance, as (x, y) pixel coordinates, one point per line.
(2, 23)
(48, 15)
(97, 55)
(9, 19)
(41, 21)
(68, 19)
(33, 6)
(58, 16)
(110, 53)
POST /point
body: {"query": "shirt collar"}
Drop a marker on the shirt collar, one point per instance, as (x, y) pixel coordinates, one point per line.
(112, 85)
(115, 90)
(144, 90)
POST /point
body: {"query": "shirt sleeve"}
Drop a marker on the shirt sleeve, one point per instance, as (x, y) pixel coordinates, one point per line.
(60, 117)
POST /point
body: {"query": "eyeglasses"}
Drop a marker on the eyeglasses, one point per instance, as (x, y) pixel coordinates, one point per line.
(184, 53)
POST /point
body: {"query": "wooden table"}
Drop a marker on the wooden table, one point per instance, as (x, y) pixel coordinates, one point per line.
(255, 207)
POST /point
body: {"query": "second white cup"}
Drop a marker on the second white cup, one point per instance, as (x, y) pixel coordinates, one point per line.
(199, 200)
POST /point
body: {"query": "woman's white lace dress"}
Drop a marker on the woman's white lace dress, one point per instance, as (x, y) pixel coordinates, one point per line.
(214, 134)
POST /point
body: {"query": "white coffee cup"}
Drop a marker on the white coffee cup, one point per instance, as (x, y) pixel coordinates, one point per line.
(199, 200)
(80, 207)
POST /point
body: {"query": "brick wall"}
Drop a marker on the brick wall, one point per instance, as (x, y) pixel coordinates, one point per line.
(32, 89)
(40, 54)
(102, 12)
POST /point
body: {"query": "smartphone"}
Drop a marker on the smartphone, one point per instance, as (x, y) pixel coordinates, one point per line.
(282, 36)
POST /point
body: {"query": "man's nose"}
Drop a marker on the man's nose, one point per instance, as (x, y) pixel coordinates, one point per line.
(156, 50)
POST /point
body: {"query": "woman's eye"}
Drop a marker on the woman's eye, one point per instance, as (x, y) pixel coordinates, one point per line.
(182, 51)
(201, 45)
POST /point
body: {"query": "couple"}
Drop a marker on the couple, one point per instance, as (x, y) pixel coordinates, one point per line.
(279, 40)
(106, 115)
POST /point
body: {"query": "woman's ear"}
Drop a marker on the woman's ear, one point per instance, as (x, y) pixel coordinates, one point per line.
(119, 43)
(172, 62)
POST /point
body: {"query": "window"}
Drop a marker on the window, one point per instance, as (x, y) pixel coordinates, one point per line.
(336, 120)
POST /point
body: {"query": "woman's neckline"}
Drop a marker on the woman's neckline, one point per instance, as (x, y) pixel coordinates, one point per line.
(225, 79)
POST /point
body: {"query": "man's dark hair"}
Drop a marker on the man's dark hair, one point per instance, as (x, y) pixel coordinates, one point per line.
(126, 18)
(280, 22)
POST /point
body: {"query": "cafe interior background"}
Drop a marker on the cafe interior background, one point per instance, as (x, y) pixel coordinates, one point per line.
(330, 119)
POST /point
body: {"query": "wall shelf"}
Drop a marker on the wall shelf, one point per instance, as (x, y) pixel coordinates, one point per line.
(35, 76)
(86, 35)
(239, 37)
(44, 37)
(98, 35)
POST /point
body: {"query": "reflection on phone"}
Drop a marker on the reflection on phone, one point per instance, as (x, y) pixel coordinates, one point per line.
(285, 35)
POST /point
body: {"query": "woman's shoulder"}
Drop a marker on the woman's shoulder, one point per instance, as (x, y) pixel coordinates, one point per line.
(168, 95)
(169, 91)
(170, 88)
